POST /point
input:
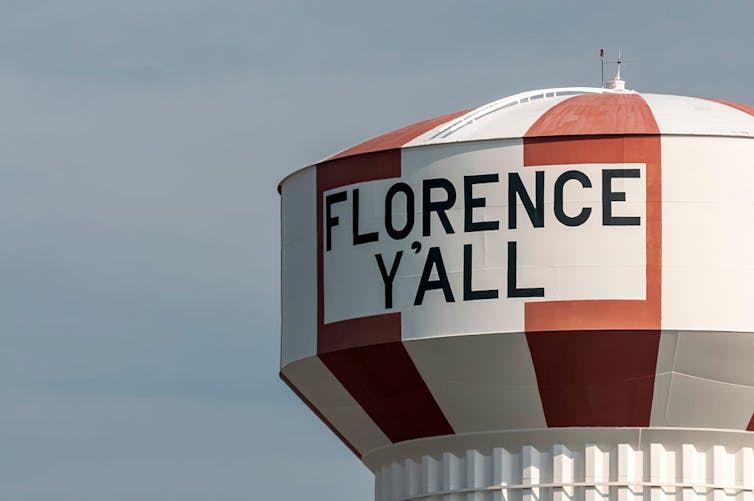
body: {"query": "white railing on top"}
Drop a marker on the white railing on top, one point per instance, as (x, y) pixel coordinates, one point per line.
(523, 97)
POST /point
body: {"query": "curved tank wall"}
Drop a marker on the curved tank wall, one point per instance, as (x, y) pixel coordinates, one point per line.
(557, 270)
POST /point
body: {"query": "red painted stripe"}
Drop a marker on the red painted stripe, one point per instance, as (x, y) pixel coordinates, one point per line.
(595, 378)
(333, 174)
(385, 382)
(740, 107)
(596, 315)
(600, 114)
(357, 332)
(320, 415)
(595, 361)
(399, 137)
(751, 424)
(366, 354)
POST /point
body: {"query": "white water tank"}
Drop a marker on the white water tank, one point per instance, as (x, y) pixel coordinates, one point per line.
(550, 296)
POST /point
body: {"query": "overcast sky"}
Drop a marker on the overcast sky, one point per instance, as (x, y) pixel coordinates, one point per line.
(141, 142)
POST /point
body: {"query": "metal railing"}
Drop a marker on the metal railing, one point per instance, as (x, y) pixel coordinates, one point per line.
(506, 102)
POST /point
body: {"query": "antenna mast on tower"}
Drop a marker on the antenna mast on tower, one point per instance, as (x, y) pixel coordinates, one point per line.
(616, 83)
(617, 75)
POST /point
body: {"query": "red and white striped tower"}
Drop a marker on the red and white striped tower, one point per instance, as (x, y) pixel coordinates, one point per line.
(547, 297)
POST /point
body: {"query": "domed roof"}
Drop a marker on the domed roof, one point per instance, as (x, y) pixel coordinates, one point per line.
(572, 111)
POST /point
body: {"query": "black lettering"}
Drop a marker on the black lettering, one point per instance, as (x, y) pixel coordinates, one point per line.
(434, 260)
(440, 207)
(387, 278)
(331, 221)
(469, 203)
(359, 238)
(536, 211)
(399, 234)
(468, 293)
(609, 196)
(513, 290)
(560, 214)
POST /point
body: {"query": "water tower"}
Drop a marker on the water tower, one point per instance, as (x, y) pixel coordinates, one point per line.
(548, 297)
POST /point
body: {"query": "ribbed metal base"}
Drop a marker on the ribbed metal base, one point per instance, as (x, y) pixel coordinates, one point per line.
(622, 472)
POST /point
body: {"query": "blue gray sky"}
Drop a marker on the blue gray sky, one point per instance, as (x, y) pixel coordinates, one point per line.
(141, 143)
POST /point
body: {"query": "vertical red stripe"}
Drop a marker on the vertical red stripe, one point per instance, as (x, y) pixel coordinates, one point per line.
(366, 354)
(595, 361)
(595, 378)
(333, 174)
(605, 314)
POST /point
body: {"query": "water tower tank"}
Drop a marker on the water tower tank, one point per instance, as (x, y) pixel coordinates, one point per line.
(547, 297)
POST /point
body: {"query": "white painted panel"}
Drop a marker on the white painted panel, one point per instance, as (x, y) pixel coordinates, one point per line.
(708, 209)
(481, 382)
(299, 267)
(690, 115)
(701, 403)
(719, 356)
(585, 262)
(660, 400)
